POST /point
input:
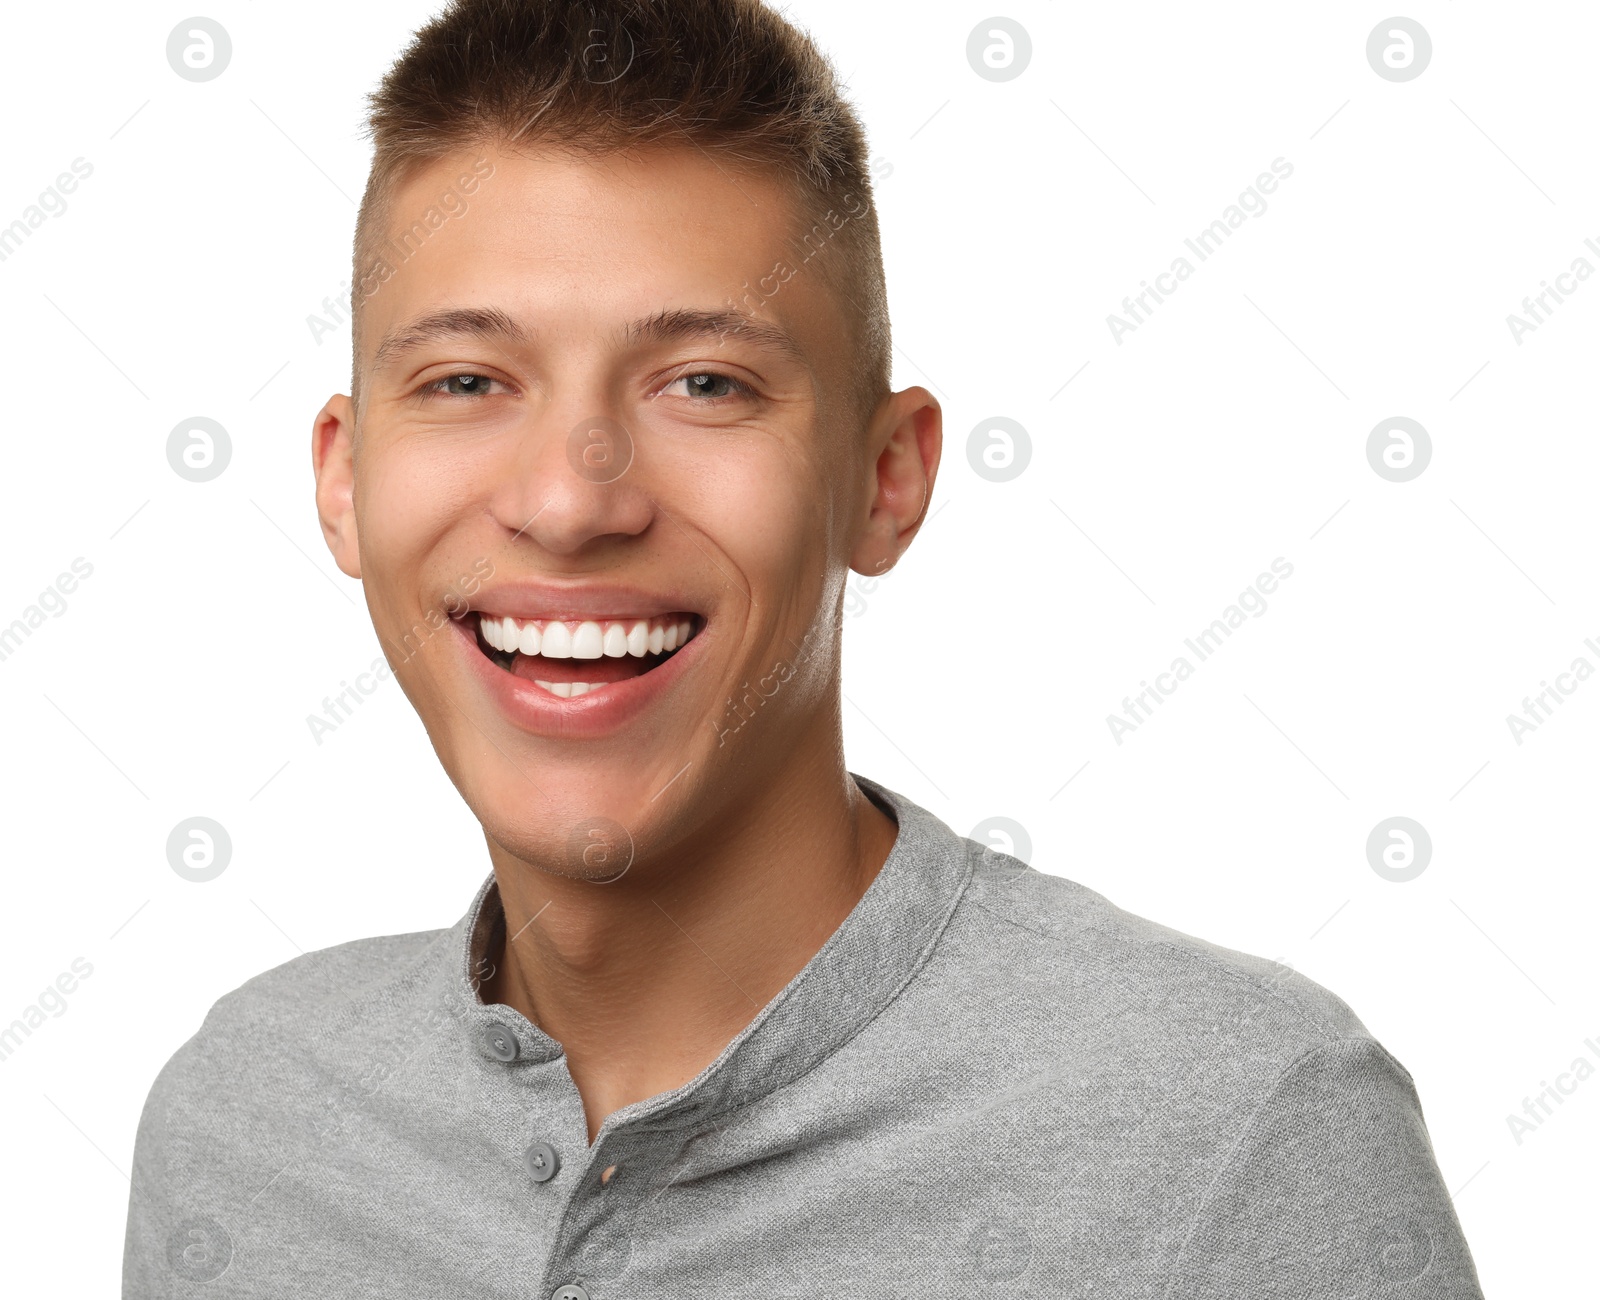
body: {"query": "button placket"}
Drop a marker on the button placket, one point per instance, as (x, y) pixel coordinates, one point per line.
(598, 1238)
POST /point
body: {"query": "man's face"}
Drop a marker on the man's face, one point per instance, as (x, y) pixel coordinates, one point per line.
(588, 434)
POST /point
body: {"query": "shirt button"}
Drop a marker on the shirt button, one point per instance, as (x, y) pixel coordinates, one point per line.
(572, 1291)
(501, 1042)
(542, 1162)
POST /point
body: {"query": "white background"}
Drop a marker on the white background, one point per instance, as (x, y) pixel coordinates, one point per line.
(1228, 430)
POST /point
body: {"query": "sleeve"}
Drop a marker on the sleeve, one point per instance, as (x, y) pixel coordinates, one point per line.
(164, 1245)
(1332, 1191)
(142, 1261)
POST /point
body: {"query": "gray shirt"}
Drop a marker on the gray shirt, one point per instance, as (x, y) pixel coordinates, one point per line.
(988, 1080)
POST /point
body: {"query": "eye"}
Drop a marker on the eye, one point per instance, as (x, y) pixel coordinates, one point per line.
(462, 385)
(709, 386)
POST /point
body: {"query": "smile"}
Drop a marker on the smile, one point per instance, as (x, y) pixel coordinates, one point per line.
(569, 658)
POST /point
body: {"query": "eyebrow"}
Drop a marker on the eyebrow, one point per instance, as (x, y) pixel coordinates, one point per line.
(457, 322)
(682, 324)
(673, 325)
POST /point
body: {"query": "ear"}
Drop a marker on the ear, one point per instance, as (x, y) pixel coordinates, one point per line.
(333, 451)
(907, 435)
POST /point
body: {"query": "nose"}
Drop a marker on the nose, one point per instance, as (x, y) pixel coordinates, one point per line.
(571, 485)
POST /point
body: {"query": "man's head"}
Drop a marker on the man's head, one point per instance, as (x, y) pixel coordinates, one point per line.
(621, 385)
(729, 79)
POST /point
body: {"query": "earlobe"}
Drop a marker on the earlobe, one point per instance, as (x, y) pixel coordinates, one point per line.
(333, 462)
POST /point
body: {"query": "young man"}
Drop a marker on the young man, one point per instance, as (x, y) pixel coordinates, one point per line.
(725, 1019)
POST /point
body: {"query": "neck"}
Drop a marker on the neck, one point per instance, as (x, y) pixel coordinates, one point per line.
(644, 981)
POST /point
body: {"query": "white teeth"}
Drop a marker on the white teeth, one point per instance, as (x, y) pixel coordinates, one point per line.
(567, 690)
(587, 642)
(557, 641)
(590, 639)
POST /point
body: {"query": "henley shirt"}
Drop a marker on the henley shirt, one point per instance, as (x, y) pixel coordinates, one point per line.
(989, 1081)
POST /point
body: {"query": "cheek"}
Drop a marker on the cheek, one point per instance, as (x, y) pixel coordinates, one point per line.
(765, 507)
(406, 499)
(406, 507)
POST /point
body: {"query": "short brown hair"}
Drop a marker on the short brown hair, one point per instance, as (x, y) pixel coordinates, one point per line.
(731, 77)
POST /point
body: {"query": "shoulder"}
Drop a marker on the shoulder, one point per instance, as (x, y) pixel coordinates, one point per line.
(285, 1018)
(1290, 1143)
(281, 1061)
(323, 981)
(1142, 982)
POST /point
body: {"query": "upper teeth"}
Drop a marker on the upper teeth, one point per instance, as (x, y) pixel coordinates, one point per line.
(610, 639)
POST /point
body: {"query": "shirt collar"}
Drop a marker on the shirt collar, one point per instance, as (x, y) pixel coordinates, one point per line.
(875, 952)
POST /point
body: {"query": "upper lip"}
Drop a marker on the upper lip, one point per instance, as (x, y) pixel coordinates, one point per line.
(545, 601)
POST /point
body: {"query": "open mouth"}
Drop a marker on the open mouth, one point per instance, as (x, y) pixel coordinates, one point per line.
(572, 657)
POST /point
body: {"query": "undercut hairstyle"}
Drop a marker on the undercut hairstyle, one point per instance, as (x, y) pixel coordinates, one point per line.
(730, 77)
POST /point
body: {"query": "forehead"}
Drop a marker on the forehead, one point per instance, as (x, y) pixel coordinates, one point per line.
(568, 240)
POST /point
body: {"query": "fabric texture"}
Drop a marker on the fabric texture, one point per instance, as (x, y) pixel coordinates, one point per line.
(987, 1078)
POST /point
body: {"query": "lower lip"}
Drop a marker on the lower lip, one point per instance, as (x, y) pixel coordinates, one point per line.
(599, 713)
